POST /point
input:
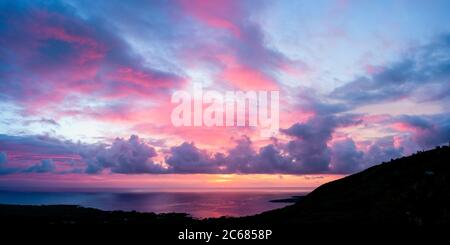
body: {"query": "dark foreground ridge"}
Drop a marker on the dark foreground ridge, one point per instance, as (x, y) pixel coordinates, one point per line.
(413, 190)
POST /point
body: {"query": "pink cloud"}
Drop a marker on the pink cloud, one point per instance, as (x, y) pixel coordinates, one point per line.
(220, 14)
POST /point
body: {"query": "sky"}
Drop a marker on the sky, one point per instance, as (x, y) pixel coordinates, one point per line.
(86, 86)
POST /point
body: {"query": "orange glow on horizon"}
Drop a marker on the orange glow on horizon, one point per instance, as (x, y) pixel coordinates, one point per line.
(172, 182)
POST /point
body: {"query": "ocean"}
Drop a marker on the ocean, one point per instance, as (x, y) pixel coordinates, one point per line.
(198, 204)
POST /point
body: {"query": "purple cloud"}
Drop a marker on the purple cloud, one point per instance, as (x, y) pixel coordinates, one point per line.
(421, 75)
(45, 166)
(426, 131)
(345, 157)
(3, 158)
(309, 148)
(4, 169)
(130, 156)
(187, 158)
(51, 56)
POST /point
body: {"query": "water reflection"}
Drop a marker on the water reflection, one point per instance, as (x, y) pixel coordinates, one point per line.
(198, 204)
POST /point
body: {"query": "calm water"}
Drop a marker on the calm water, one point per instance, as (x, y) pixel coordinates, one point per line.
(198, 204)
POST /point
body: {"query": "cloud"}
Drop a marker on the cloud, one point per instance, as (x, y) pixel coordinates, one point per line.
(187, 158)
(421, 75)
(270, 160)
(243, 57)
(381, 150)
(345, 157)
(242, 158)
(3, 158)
(38, 144)
(43, 121)
(51, 47)
(309, 147)
(3, 168)
(45, 166)
(25, 150)
(131, 156)
(426, 131)
(309, 100)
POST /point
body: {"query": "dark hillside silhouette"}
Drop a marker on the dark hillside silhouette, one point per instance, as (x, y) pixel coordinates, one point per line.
(411, 190)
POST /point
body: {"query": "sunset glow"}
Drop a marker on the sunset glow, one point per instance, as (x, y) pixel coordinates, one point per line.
(86, 88)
